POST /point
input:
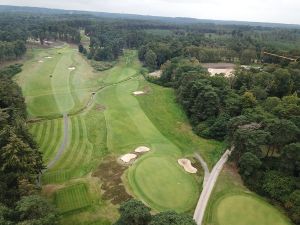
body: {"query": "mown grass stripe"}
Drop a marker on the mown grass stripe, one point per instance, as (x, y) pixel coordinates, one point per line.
(47, 137)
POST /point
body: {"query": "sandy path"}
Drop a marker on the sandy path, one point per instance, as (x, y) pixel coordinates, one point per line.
(205, 168)
(207, 190)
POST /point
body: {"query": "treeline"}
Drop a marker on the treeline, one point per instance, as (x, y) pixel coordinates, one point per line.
(107, 40)
(16, 29)
(258, 112)
(20, 160)
(134, 212)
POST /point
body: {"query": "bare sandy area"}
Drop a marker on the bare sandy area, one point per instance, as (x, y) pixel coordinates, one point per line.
(187, 165)
(156, 74)
(218, 68)
(138, 93)
(128, 157)
(142, 149)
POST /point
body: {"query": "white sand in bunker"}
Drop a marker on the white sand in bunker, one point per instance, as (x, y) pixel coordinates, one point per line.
(48, 57)
(128, 157)
(142, 149)
(138, 93)
(41, 61)
(71, 68)
(187, 165)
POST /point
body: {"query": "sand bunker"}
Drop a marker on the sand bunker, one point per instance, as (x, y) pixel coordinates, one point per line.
(142, 149)
(128, 157)
(48, 57)
(138, 93)
(156, 74)
(187, 165)
(214, 71)
(71, 68)
(217, 68)
(41, 61)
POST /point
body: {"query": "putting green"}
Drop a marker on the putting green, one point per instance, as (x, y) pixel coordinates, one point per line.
(163, 184)
(247, 210)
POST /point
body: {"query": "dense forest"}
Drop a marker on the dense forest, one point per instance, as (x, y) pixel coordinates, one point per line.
(20, 160)
(257, 110)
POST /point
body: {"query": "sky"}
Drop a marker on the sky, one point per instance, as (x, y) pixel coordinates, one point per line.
(278, 11)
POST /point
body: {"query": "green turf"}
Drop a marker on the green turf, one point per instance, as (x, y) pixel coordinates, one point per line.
(231, 203)
(129, 127)
(163, 184)
(247, 210)
(72, 198)
(161, 108)
(48, 135)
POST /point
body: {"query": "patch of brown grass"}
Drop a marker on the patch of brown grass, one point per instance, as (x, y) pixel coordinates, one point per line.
(109, 172)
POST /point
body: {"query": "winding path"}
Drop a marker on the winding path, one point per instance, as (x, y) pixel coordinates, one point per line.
(205, 168)
(208, 187)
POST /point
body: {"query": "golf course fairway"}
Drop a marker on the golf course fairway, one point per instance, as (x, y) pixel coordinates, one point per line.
(105, 121)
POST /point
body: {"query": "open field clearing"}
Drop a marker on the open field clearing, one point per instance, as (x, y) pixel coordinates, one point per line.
(233, 204)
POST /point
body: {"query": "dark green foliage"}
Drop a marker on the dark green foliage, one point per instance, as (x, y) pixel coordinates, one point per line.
(278, 185)
(20, 160)
(172, 218)
(249, 164)
(36, 210)
(134, 212)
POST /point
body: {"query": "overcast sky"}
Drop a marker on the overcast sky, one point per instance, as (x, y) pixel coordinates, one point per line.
(281, 11)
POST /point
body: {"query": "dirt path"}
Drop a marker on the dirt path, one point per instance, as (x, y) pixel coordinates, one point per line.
(205, 168)
(63, 144)
(207, 190)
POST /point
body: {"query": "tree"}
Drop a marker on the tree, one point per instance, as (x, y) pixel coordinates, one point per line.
(282, 84)
(293, 204)
(206, 103)
(172, 218)
(248, 140)
(36, 210)
(5, 214)
(80, 48)
(248, 100)
(249, 164)
(150, 59)
(282, 132)
(277, 185)
(133, 212)
(290, 159)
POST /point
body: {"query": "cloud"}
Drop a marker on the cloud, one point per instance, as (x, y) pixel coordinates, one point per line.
(284, 11)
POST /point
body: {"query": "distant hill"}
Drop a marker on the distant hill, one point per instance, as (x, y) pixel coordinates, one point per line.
(176, 20)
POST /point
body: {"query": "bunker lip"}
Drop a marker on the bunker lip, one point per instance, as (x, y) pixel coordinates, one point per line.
(187, 165)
